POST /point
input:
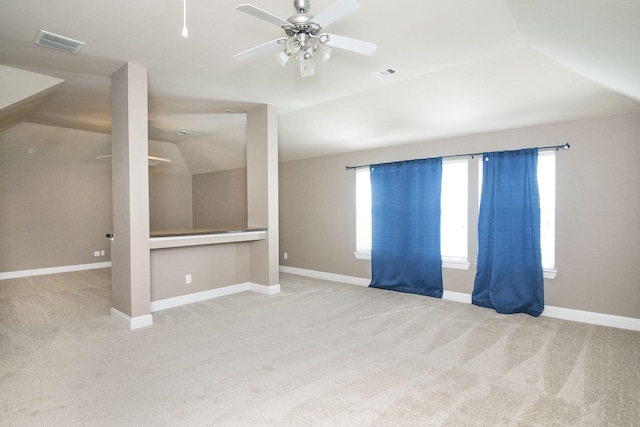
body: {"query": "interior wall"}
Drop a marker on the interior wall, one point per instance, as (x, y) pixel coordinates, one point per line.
(597, 210)
(210, 267)
(170, 201)
(170, 189)
(220, 199)
(55, 202)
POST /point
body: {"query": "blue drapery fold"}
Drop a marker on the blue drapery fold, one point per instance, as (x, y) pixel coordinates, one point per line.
(405, 227)
(509, 273)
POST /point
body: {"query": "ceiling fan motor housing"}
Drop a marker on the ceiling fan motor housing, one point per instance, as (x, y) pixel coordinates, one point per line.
(301, 24)
(302, 6)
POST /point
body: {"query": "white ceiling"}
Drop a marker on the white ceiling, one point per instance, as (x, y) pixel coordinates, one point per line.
(464, 67)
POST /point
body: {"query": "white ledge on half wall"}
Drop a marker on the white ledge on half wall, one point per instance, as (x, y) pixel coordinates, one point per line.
(206, 239)
(590, 317)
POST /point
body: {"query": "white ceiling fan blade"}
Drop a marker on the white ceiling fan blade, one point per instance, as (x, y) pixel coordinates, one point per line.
(263, 14)
(303, 71)
(152, 160)
(258, 49)
(337, 10)
(353, 45)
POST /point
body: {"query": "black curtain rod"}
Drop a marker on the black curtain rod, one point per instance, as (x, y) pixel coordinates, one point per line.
(551, 147)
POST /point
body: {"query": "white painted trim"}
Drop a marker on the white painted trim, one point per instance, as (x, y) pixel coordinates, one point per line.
(326, 276)
(131, 322)
(592, 317)
(454, 263)
(264, 289)
(206, 239)
(581, 316)
(457, 296)
(178, 301)
(166, 303)
(53, 270)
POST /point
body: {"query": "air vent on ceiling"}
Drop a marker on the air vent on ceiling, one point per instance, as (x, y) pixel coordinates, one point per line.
(384, 73)
(54, 41)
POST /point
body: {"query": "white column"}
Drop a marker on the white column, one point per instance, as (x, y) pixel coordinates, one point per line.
(130, 256)
(262, 192)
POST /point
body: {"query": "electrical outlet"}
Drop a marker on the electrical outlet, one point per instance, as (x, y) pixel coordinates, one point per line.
(187, 279)
(96, 253)
(286, 255)
(102, 252)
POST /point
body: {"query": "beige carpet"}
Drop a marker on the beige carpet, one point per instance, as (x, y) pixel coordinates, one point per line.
(320, 353)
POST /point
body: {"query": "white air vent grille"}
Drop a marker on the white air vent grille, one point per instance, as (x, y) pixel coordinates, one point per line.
(57, 42)
(384, 73)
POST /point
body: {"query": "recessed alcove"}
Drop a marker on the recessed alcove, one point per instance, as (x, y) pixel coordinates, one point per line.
(205, 184)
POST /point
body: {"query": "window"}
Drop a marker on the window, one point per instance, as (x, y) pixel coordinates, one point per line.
(453, 217)
(363, 211)
(454, 220)
(547, 189)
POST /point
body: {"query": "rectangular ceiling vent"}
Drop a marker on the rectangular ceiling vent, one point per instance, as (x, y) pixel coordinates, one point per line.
(384, 73)
(57, 42)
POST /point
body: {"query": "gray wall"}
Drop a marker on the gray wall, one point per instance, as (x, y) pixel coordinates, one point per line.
(597, 210)
(170, 201)
(226, 265)
(220, 199)
(170, 189)
(55, 204)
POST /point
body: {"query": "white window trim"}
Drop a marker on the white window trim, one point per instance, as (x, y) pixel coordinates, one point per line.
(458, 264)
(447, 262)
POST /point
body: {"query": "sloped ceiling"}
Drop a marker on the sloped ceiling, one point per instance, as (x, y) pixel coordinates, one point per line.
(464, 67)
(22, 93)
(596, 39)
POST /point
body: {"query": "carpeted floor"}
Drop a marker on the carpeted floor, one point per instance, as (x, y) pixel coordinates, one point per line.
(319, 353)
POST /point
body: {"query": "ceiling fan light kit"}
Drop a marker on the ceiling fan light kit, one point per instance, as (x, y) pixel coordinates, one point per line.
(304, 37)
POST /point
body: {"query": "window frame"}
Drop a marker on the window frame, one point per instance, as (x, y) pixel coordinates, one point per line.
(548, 272)
(460, 263)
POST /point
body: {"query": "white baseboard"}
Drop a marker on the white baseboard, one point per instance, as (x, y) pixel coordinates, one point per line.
(53, 270)
(164, 304)
(456, 296)
(264, 289)
(131, 322)
(326, 276)
(590, 317)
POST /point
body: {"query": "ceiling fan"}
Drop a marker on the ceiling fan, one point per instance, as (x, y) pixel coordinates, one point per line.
(304, 36)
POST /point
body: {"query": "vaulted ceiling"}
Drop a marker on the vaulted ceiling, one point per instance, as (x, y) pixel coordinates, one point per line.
(463, 67)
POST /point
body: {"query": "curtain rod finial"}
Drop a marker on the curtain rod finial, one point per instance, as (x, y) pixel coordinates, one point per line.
(566, 146)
